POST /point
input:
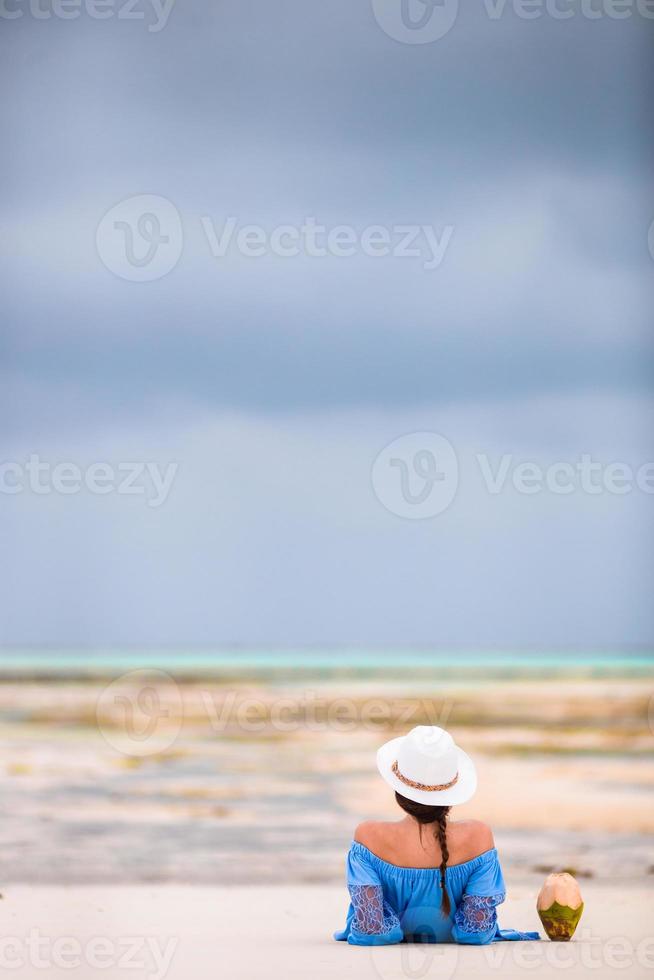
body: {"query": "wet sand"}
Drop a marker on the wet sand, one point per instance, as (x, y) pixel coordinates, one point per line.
(255, 779)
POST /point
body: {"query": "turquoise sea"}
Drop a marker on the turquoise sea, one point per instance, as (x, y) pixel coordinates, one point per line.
(328, 660)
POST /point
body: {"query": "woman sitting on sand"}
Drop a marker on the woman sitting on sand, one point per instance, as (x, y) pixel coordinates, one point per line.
(408, 884)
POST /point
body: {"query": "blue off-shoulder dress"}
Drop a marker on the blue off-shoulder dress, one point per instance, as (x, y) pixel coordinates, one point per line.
(389, 904)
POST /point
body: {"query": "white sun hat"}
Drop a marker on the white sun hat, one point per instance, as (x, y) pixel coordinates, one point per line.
(427, 767)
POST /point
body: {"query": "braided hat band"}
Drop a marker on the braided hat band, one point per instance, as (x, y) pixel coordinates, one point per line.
(421, 786)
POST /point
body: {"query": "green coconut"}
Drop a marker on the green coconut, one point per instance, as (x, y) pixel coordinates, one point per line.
(560, 906)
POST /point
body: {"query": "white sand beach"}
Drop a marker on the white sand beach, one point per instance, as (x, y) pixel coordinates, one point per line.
(176, 932)
(221, 854)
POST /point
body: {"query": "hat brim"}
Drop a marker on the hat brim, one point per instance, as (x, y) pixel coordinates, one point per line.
(463, 790)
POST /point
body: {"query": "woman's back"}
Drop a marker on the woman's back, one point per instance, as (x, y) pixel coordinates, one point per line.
(425, 878)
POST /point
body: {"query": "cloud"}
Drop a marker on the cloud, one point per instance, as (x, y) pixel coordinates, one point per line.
(275, 382)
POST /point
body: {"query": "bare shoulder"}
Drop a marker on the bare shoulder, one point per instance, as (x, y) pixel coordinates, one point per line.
(380, 837)
(370, 833)
(471, 837)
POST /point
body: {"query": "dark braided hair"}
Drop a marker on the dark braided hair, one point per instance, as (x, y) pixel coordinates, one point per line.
(431, 815)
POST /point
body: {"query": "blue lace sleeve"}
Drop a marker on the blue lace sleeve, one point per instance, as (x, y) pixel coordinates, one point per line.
(372, 915)
(371, 920)
(475, 920)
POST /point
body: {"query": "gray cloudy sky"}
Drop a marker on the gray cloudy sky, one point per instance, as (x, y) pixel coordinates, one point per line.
(274, 382)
